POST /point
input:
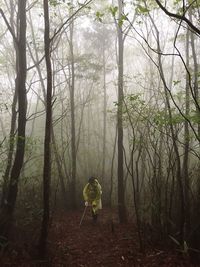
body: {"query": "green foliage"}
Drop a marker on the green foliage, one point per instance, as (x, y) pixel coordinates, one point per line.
(176, 2)
(113, 10)
(133, 97)
(161, 118)
(54, 2)
(135, 108)
(99, 16)
(142, 9)
(32, 142)
(176, 119)
(176, 82)
(195, 4)
(86, 7)
(134, 102)
(122, 19)
(194, 117)
(138, 110)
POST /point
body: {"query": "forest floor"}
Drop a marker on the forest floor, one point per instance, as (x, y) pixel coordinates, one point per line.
(105, 244)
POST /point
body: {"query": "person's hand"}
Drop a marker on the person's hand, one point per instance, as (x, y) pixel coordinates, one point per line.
(86, 203)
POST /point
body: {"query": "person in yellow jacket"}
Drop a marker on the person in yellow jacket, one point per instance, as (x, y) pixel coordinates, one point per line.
(92, 196)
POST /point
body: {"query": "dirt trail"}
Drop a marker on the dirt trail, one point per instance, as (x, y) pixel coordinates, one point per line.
(102, 244)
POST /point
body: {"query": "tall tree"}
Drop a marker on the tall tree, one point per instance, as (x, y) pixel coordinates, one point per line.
(72, 105)
(174, 136)
(104, 107)
(121, 197)
(8, 206)
(47, 140)
(185, 167)
(13, 120)
(196, 71)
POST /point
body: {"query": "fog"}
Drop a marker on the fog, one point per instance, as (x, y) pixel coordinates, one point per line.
(125, 81)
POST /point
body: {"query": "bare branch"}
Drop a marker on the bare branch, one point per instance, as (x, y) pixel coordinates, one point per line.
(9, 27)
(180, 17)
(73, 15)
(32, 5)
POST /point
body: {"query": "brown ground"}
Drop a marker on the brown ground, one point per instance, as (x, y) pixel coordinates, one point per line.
(102, 244)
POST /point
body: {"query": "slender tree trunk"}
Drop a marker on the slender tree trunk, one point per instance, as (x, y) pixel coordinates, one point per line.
(195, 240)
(72, 104)
(10, 150)
(196, 95)
(112, 168)
(58, 160)
(185, 171)
(121, 196)
(136, 193)
(174, 140)
(60, 172)
(178, 163)
(8, 206)
(135, 178)
(36, 59)
(47, 140)
(104, 113)
(196, 86)
(13, 119)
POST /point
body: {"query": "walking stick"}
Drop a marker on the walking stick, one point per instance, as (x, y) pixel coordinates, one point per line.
(83, 216)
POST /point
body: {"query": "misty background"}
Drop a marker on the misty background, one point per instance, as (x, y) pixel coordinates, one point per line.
(98, 49)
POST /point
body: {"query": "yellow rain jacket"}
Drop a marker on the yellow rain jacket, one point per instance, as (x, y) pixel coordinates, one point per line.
(92, 195)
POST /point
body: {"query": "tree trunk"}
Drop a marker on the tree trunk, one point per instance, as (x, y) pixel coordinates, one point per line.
(47, 141)
(8, 206)
(185, 172)
(121, 197)
(181, 218)
(111, 170)
(196, 71)
(72, 105)
(13, 120)
(60, 171)
(104, 114)
(10, 150)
